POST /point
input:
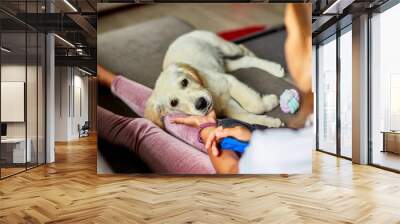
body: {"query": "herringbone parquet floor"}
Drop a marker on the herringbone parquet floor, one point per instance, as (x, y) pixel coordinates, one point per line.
(70, 191)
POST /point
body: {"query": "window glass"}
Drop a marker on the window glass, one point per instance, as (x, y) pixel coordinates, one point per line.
(327, 96)
(346, 94)
(385, 89)
(14, 153)
(41, 98)
(31, 97)
(22, 90)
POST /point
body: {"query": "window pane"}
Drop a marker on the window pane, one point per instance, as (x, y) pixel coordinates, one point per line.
(346, 94)
(385, 114)
(41, 98)
(31, 98)
(13, 86)
(32, 87)
(327, 97)
(23, 87)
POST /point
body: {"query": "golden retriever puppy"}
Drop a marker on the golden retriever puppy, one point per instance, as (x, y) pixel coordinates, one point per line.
(196, 79)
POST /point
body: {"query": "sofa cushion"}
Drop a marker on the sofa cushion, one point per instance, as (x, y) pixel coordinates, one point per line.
(137, 51)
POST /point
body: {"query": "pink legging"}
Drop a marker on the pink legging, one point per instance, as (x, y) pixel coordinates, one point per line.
(162, 152)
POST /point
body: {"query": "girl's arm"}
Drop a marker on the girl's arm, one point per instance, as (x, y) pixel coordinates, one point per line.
(133, 94)
(104, 76)
(159, 150)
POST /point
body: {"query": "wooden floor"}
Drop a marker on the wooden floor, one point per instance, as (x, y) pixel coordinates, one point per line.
(11, 170)
(387, 159)
(70, 191)
(8, 171)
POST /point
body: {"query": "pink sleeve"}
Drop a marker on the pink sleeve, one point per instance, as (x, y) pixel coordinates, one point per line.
(133, 94)
(186, 133)
(163, 153)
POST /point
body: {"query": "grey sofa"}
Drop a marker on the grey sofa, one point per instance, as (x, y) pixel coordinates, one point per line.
(137, 52)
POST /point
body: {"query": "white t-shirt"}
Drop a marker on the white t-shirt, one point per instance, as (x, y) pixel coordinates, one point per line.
(279, 151)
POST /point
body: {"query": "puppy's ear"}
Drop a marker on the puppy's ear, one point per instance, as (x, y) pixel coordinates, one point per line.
(154, 111)
(192, 72)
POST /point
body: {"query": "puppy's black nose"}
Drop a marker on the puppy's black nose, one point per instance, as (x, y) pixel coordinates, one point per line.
(201, 103)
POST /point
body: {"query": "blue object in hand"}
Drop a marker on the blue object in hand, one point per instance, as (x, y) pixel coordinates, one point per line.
(233, 144)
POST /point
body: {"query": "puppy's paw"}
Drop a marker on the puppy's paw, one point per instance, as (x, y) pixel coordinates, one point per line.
(273, 122)
(255, 108)
(231, 50)
(246, 51)
(267, 121)
(276, 123)
(277, 70)
(270, 101)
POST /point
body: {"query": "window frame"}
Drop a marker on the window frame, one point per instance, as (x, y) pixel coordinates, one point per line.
(378, 10)
(26, 30)
(333, 37)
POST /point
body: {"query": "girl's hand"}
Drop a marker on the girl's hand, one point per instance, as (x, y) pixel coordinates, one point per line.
(238, 132)
(196, 121)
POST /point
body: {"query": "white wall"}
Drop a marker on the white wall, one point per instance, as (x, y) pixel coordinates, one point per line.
(70, 84)
(62, 81)
(12, 73)
(81, 102)
(33, 126)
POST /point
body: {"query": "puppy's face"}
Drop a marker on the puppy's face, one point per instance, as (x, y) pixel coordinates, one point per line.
(179, 88)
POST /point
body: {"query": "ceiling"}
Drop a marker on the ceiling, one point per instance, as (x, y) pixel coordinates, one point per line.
(39, 6)
(332, 15)
(75, 21)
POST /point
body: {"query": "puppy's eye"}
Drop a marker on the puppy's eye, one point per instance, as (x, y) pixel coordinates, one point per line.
(184, 83)
(174, 102)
